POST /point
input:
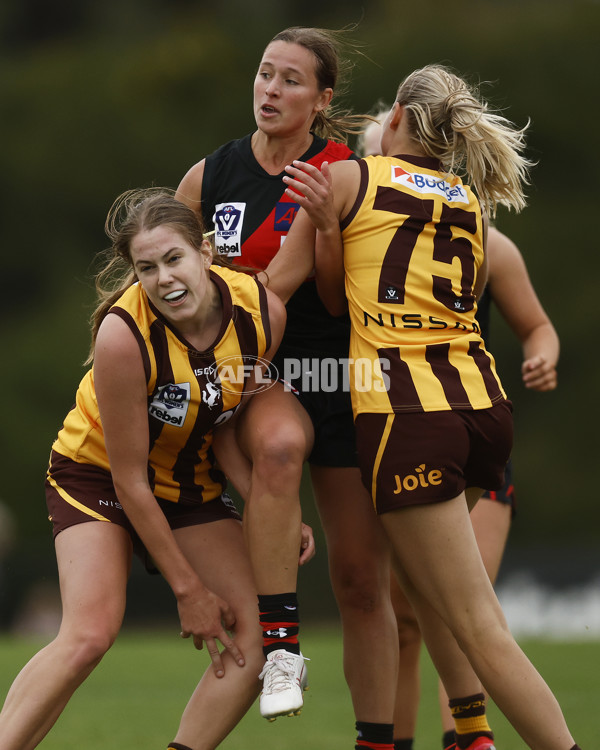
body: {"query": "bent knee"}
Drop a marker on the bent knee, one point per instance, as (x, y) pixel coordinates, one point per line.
(358, 589)
(86, 649)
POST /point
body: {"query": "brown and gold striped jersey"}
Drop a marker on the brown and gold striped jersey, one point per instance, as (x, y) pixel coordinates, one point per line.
(189, 392)
(412, 248)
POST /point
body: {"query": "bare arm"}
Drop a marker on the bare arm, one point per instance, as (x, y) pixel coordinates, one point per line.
(122, 400)
(327, 195)
(190, 187)
(513, 293)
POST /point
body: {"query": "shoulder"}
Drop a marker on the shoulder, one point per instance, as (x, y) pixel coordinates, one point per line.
(346, 179)
(116, 344)
(189, 190)
(337, 152)
(503, 254)
(325, 150)
(193, 185)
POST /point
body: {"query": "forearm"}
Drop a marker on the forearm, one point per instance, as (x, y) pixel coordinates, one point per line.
(294, 261)
(329, 269)
(541, 349)
(542, 341)
(157, 537)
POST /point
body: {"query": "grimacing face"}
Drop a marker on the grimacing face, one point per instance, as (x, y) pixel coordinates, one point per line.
(173, 273)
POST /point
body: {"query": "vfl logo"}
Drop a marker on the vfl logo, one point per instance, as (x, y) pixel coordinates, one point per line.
(426, 183)
(391, 293)
(228, 221)
(419, 479)
(285, 213)
(170, 403)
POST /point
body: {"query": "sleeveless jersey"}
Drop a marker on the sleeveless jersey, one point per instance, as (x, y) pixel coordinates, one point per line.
(189, 392)
(412, 247)
(251, 216)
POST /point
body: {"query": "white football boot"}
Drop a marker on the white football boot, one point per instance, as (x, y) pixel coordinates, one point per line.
(284, 680)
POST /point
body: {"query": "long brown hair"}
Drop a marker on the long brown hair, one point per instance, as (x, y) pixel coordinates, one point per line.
(135, 211)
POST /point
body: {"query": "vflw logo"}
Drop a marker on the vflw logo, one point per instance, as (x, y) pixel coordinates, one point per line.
(426, 183)
(170, 403)
(228, 221)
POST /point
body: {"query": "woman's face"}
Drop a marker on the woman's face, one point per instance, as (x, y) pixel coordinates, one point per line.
(173, 273)
(372, 139)
(286, 93)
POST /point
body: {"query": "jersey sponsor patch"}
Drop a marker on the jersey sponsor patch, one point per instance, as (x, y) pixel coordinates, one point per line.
(430, 185)
(170, 403)
(228, 221)
(285, 213)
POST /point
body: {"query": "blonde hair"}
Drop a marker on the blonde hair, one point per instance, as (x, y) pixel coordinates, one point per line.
(135, 211)
(333, 71)
(451, 122)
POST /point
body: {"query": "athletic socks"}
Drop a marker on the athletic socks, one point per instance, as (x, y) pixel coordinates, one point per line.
(178, 746)
(404, 744)
(280, 622)
(448, 738)
(470, 720)
(370, 736)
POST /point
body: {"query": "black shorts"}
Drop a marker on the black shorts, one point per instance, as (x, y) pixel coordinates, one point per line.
(506, 494)
(77, 493)
(428, 457)
(322, 389)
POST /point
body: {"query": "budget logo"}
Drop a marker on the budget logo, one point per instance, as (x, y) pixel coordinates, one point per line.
(285, 213)
(170, 403)
(228, 221)
(430, 185)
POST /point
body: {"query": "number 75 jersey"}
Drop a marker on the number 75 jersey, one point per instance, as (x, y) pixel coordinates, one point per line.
(413, 245)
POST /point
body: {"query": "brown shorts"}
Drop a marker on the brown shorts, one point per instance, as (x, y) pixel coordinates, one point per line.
(77, 493)
(429, 457)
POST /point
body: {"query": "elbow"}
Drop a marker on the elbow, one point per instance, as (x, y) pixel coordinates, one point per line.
(335, 304)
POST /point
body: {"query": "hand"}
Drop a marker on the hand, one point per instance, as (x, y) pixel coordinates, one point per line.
(206, 617)
(538, 374)
(312, 191)
(307, 545)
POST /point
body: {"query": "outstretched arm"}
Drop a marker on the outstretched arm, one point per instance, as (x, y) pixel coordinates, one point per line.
(326, 196)
(514, 295)
(122, 400)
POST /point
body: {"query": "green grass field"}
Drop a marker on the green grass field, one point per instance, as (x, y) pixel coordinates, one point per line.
(134, 698)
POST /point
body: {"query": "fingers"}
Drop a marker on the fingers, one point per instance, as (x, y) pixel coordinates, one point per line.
(307, 179)
(307, 545)
(538, 375)
(215, 656)
(233, 650)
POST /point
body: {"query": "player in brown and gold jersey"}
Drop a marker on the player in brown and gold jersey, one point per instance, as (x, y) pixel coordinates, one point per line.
(433, 424)
(176, 349)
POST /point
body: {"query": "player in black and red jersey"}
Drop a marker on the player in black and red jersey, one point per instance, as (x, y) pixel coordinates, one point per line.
(239, 187)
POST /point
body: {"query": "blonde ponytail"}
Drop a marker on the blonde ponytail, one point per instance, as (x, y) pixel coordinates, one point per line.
(450, 122)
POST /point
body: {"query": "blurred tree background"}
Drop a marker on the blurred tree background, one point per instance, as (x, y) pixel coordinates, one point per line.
(101, 97)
